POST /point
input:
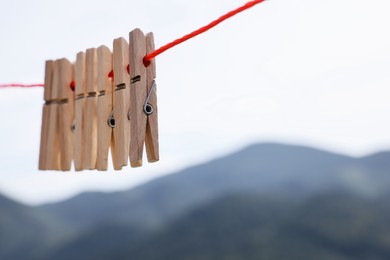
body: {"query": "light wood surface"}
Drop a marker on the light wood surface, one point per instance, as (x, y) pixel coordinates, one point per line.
(66, 114)
(138, 93)
(79, 112)
(121, 101)
(151, 138)
(105, 99)
(90, 113)
(53, 146)
(45, 114)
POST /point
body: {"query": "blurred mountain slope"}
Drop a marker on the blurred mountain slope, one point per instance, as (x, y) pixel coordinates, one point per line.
(260, 168)
(329, 226)
(27, 231)
(336, 226)
(287, 182)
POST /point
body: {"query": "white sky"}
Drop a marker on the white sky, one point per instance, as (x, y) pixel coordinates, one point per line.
(311, 72)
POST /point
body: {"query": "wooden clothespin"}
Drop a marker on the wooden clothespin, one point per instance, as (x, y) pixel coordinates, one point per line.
(80, 97)
(106, 120)
(53, 145)
(151, 139)
(65, 113)
(121, 101)
(90, 113)
(111, 106)
(143, 104)
(49, 67)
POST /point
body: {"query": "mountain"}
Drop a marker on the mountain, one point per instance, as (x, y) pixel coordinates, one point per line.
(284, 181)
(262, 168)
(27, 231)
(336, 226)
(247, 226)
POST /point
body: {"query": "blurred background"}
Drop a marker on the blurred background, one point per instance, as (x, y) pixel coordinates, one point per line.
(273, 131)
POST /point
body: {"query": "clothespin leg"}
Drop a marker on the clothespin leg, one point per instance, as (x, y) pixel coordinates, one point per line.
(138, 95)
(121, 103)
(105, 88)
(90, 114)
(45, 115)
(79, 132)
(43, 146)
(53, 135)
(151, 138)
(66, 114)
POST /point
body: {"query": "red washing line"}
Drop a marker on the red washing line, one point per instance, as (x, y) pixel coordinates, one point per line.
(14, 85)
(152, 55)
(201, 30)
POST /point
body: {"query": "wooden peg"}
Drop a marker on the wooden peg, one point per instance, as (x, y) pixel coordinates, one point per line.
(106, 121)
(66, 113)
(80, 93)
(90, 113)
(53, 146)
(49, 66)
(138, 95)
(121, 101)
(151, 138)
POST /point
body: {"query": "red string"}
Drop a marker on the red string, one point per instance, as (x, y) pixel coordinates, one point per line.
(21, 85)
(73, 85)
(111, 73)
(149, 57)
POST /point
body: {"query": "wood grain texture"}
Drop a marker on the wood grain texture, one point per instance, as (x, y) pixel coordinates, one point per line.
(91, 71)
(105, 99)
(138, 93)
(79, 112)
(80, 89)
(90, 113)
(53, 146)
(151, 138)
(43, 144)
(66, 114)
(121, 101)
(49, 69)
(121, 61)
(45, 115)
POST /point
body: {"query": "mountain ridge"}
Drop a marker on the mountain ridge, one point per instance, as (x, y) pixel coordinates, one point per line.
(268, 170)
(266, 167)
(227, 156)
(371, 156)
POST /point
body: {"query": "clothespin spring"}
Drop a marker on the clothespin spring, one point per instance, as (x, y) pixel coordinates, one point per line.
(73, 126)
(111, 119)
(148, 108)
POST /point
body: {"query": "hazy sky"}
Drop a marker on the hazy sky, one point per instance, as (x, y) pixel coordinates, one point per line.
(311, 72)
